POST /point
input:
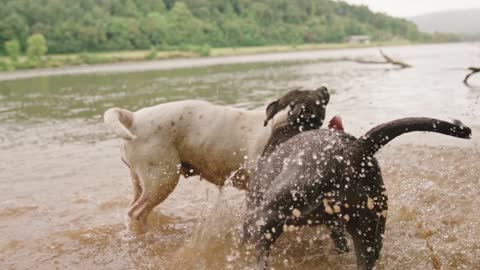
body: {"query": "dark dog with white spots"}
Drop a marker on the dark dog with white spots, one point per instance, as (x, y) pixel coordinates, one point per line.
(326, 176)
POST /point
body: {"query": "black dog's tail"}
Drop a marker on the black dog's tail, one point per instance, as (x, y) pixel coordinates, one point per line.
(382, 134)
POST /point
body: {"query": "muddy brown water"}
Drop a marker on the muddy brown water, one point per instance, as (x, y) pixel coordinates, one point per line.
(64, 191)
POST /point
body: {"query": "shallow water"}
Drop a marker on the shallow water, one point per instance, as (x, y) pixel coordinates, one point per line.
(65, 191)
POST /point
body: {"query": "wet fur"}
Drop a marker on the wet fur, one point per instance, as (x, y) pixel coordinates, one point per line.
(326, 176)
(306, 112)
(191, 137)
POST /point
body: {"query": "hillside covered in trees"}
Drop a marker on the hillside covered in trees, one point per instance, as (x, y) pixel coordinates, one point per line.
(105, 25)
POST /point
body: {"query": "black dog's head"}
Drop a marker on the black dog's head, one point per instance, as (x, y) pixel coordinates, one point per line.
(307, 107)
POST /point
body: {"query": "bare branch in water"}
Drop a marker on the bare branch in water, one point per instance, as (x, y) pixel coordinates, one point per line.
(394, 62)
(473, 71)
(388, 60)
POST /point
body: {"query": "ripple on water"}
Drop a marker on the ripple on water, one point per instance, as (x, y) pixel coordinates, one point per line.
(12, 212)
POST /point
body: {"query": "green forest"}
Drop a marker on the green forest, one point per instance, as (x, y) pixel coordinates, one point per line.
(72, 26)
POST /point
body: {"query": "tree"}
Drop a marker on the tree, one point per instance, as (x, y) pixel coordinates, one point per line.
(262, 13)
(12, 48)
(92, 25)
(13, 27)
(37, 46)
(154, 28)
(124, 8)
(183, 27)
(148, 6)
(118, 37)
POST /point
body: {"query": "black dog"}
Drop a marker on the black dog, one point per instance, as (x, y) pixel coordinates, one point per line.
(306, 112)
(328, 177)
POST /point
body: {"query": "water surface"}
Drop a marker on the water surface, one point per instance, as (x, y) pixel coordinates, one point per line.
(65, 191)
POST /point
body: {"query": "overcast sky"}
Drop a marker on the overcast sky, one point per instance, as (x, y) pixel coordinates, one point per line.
(408, 8)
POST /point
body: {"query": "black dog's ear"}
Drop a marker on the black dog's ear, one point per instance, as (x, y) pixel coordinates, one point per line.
(272, 109)
(280, 104)
(325, 95)
(295, 112)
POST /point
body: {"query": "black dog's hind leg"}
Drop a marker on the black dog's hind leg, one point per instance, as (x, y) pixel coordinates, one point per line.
(337, 233)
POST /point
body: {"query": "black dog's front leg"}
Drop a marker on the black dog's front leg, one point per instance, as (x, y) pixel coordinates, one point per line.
(365, 260)
(367, 249)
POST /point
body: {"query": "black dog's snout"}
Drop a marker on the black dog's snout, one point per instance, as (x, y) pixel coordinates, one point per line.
(462, 130)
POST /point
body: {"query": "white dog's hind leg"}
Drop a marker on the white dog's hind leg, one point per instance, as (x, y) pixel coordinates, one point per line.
(137, 188)
(157, 183)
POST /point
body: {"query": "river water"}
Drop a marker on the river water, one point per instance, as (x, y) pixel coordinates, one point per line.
(64, 191)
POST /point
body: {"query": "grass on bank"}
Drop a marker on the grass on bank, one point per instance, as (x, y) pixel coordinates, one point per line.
(90, 58)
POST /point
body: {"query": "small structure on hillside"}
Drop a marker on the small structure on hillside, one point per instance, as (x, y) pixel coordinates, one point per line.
(358, 39)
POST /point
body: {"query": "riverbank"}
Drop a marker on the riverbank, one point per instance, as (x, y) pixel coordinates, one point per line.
(87, 58)
(243, 56)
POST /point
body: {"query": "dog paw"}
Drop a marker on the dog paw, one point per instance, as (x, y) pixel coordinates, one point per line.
(341, 246)
(343, 249)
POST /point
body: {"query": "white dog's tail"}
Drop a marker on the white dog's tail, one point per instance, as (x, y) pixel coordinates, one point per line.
(120, 120)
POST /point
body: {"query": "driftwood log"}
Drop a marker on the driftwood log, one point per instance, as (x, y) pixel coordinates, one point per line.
(388, 60)
(473, 71)
(360, 60)
(394, 62)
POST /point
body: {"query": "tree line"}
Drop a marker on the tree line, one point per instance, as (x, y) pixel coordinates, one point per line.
(71, 26)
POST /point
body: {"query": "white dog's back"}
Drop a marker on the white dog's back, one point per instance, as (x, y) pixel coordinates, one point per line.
(188, 137)
(216, 139)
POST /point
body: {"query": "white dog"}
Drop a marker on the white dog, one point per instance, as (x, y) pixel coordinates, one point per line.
(194, 137)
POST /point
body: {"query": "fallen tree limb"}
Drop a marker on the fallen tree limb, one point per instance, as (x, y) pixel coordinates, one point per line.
(473, 71)
(356, 60)
(394, 62)
(349, 59)
(388, 60)
(364, 61)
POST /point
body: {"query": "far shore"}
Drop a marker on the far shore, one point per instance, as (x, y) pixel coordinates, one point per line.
(92, 58)
(134, 61)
